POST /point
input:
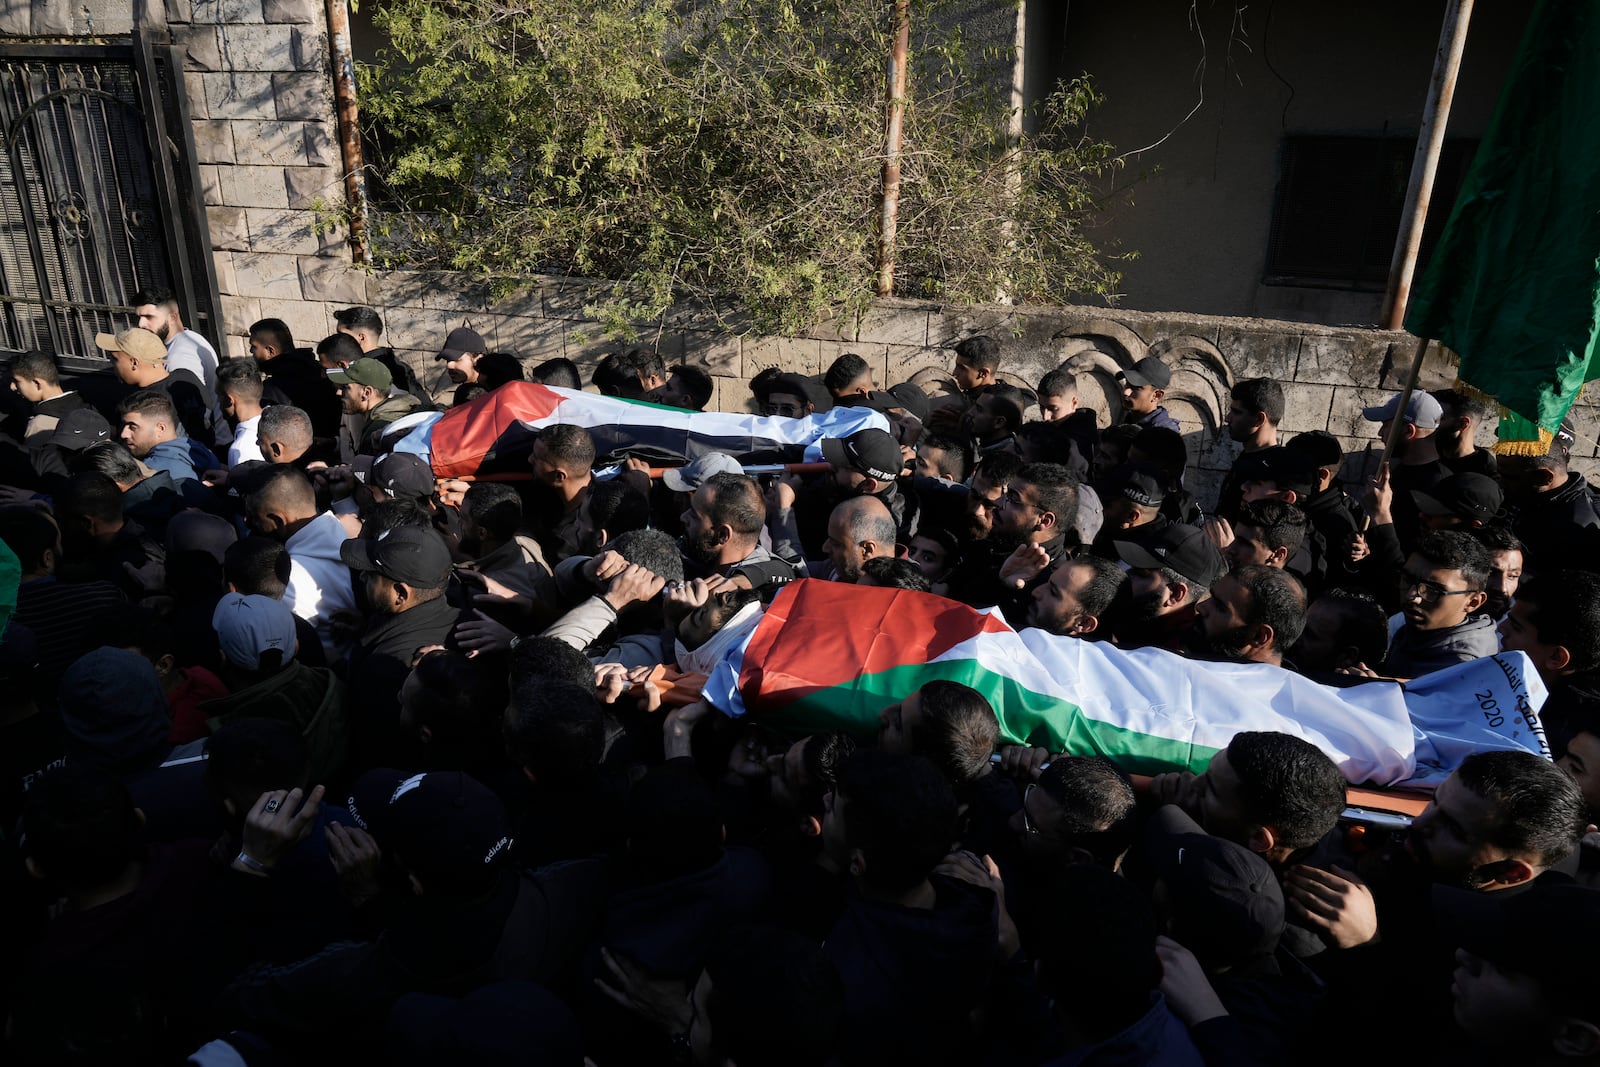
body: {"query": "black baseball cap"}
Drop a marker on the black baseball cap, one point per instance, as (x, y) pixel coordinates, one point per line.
(1323, 448)
(461, 341)
(798, 385)
(911, 398)
(1148, 371)
(80, 428)
(1179, 547)
(1138, 482)
(1291, 469)
(446, 827)
(870, 452)
(410, 554)
(1224, 897)
(1471, 496)
(402, 474)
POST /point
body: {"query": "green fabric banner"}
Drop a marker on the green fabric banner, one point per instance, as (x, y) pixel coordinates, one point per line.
(1514, 284)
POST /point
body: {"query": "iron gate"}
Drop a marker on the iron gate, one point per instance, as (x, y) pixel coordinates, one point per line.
(99, 194)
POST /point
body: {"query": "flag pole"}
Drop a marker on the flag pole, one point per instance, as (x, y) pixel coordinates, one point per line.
(1410, 387)
(1419, 190)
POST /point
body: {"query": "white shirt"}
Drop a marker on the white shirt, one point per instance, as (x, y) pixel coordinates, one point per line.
(245, 446)
(319, 582)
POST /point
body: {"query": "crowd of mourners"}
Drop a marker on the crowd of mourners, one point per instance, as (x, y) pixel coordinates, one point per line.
(311, 756)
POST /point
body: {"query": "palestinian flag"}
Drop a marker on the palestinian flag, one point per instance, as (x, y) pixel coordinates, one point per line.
(829, 656)
(494, 433)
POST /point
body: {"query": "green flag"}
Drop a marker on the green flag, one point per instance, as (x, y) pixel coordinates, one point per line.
(1514, 284)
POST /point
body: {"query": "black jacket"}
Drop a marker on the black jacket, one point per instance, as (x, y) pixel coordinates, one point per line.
(530, 926)
(1561, 528)
(296, 378)
(378, 667)
(912, 976)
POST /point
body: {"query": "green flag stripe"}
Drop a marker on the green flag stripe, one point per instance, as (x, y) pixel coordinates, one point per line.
(1026, 717)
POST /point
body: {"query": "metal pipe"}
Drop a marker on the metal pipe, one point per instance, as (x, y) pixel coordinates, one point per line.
(894, 118)
(344, 98)
(1435, 117)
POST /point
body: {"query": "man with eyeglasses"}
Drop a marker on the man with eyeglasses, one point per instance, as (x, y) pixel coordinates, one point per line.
(1444, 587)
(1034, 523)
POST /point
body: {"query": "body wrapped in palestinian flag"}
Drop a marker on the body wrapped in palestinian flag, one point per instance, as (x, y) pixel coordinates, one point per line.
(493, 433)
(828, 656)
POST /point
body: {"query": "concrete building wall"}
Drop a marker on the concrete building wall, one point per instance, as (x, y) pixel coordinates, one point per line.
(1197, 205)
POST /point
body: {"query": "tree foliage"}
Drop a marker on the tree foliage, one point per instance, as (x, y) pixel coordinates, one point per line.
(730, 151)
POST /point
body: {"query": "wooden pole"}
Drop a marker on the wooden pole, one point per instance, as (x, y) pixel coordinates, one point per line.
(1435, 118)
(893, 120)
(1410, 387)
(349, 126)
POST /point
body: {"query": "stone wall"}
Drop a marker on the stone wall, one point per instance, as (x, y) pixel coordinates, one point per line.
(258, 77)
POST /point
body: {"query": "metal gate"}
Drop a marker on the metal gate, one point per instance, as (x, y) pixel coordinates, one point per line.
(99, 194)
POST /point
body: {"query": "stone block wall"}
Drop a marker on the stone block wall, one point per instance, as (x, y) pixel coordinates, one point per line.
(260, 91)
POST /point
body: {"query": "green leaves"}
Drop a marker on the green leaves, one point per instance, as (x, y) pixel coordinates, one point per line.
(727, 151)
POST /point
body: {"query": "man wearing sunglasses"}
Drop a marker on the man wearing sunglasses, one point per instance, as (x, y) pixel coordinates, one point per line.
(1444, 587)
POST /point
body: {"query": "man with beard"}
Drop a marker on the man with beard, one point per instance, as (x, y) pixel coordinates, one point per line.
(404, 574)
(1555, 513)
(1500, 820)
(994, 472)
(364, 390)
(186, 350)
(140, 359)
(1168, 577)
(858, 530)
(1460, 416)
(1505, 568)
(722, 535)
(1074, 599)
(562, 458)
(867, 463)
(1414, 464)
(1495, 825)
(994, 418)
(1034, 526)
(1252, 615)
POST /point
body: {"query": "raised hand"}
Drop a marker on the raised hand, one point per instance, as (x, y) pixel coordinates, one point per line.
(278, 821)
